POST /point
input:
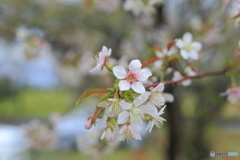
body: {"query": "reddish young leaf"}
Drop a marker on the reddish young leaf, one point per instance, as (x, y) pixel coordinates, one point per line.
(90, 92)
(149, 61)
(171, 44)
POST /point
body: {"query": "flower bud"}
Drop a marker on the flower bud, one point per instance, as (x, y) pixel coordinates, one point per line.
(88, 123)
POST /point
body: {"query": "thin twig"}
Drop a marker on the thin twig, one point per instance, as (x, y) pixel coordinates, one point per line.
(191, 77)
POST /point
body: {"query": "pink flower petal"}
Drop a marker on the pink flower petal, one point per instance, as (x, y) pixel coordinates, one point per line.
(135, 66)
(124, 85)
(138, 87)
(119, 72)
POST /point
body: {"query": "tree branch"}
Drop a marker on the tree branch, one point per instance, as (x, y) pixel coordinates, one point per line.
(214, 73)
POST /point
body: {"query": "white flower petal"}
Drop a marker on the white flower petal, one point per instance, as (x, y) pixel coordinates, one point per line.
(193, 55)
(141, 99)
(159, 87)
(176, 76)
(190, 72)
(179, 43)
(162, 110)
(150, 126)
(104, 49)
(121, 137)
(186, 82)
(123, 117)
(112, 99)
(149, 109)
(135, 66)
(103, 134)
(103, 104)
(135, 133)
(109, 52)
(159, 54)
(168, 97)
(101, 58)
(96, 68)
(232, 99)
(119, 72)
(125, 105)
(138, 87)
(124, 85)
(184, 54)
(187, 38)
(197, 46)
(157, 99)
(122, 129)
(143, 74)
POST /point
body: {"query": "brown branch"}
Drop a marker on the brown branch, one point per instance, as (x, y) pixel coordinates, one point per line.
(191, 77)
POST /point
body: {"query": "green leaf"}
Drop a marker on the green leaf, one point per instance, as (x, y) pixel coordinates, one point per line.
(89, 93)
(105, 97)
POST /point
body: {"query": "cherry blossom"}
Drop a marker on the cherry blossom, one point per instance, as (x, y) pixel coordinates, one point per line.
(177, 76)
(138, 6)
(102, 58)
(110, 134)
(133, 112)
(155, 96)
(155, 119)
(165, 52)
(128, 131)
(130, 79)
(188, 49)
(112, 105)
(233, 95)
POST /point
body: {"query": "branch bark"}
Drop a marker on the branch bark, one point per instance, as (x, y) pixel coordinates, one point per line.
(213, 73)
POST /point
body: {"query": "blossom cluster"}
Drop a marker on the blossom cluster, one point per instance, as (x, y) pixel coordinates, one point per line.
(168, 57)
(128, 104)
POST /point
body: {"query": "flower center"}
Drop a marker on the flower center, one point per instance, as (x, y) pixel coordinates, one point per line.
(188, 47)
(131, 77)
(114, 109)
(127, 133)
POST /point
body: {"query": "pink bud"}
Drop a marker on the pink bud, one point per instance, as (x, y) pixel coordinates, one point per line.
(88, 123)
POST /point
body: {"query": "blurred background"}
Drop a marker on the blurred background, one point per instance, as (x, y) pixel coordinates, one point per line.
(46, 52)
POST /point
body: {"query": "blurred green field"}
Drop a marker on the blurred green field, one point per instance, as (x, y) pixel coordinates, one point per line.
(30, 103)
